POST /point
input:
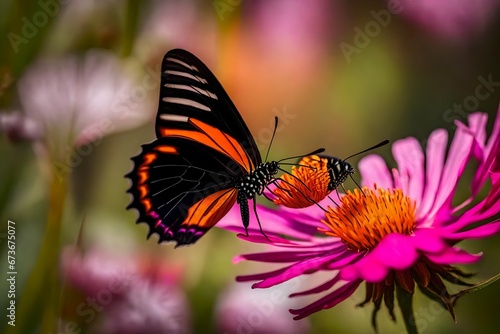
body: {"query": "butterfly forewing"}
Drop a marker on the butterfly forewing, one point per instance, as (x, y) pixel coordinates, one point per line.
(189, 90)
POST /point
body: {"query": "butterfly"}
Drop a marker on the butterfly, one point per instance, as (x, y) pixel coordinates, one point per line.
(203, 161)
(314, 179)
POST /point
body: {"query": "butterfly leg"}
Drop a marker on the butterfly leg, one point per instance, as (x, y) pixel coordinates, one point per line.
(258, 220)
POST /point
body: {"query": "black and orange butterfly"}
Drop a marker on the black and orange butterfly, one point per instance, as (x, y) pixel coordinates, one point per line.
(204, 160)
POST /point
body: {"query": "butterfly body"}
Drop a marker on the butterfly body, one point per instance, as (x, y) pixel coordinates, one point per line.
(252, 185)
(203, 161)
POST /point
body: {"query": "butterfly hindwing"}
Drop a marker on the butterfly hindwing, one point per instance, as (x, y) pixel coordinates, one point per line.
(181, 188)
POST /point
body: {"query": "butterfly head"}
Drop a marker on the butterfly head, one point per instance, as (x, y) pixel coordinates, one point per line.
(271, 167)
(339, 171)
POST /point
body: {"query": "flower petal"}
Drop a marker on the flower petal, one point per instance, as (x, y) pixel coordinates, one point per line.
(320, 288)
(436, 150)
(327, 301)
(395, 251)
(458, 156)
(410, 159)
(304, 267)
(485, 209)
(373, 170)
(454, 256)
(428, 240)
(368, 269)
(483, 231)
(489, 151)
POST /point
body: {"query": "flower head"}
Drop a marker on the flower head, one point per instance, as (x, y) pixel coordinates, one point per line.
(399, 231)
(76, 100)
(243, 310)
(455, 19)
(133, 296)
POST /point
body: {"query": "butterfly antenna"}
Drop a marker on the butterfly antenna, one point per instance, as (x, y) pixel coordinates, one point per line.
(356, 183)
(319, 150)
(382, 143)
(292, 164)
(272, 138)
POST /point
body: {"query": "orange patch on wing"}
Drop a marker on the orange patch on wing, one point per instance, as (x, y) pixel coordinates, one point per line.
(308, 185)
(167, 149)
(143, 175)
(208, 211)
(214, 138)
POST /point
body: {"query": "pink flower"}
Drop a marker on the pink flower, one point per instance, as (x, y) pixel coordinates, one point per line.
(243, 310)
(133, 296)
(75, 100)
(400, 232)
(456, 19)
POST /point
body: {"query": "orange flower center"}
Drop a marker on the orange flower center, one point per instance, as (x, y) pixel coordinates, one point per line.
(365, 218)
(307, 185)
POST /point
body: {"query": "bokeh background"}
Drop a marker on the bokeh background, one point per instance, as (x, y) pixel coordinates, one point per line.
(342, 75)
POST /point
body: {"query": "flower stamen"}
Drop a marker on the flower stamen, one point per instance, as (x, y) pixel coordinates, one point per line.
(365, 218)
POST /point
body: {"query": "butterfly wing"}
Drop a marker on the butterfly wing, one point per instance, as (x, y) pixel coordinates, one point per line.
(184, 182)
(182, 187)
(190, 91)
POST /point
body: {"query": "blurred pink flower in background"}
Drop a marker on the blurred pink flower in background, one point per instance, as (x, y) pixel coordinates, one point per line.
(177, 24)
(400, 232)
(75, 100)
(17, 127)
(134, 295)
(241, 309)
(455, 19)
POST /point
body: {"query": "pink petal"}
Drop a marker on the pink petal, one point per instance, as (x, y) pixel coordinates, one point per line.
(254, 236)
(328, 301)
(453, 256)
(343, 260)
(368, 269)
(490, 150)
(428, 240)
(261, 276)
(300, 268)
(410, 159)
(395, 251)
(274, 223)
(436, 149)
(477, 128)
(320, 288)
(399, 180)
(485, 209)
(458, 156)
(373, 170)
(276, 257)
(483, 231)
